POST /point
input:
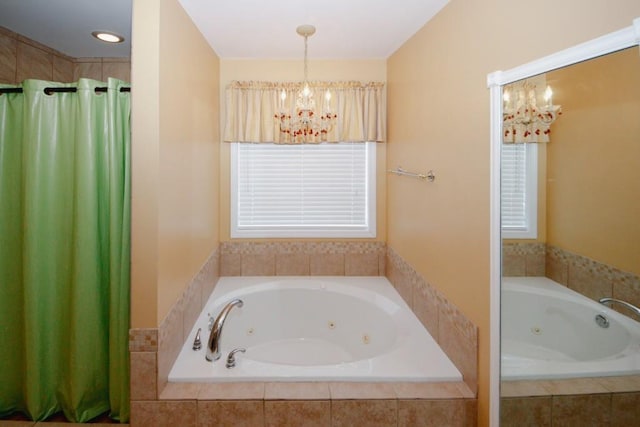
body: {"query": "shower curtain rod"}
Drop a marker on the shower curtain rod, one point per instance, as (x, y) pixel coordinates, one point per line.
(50, 90)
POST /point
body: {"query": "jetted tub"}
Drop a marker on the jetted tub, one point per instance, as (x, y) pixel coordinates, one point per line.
(549, 331)
(310, 328)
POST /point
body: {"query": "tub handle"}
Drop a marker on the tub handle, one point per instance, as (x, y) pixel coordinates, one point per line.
(231, 358)
(197, 342)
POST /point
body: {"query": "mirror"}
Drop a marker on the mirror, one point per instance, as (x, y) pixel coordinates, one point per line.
(571, 238)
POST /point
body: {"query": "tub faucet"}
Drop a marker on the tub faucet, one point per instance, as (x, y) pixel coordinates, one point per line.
(628, 305)
(213, 347)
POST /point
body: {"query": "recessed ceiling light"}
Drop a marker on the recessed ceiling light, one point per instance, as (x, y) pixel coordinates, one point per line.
(108, 37)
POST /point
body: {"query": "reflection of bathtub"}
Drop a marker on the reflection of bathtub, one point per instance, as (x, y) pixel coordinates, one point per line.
(550, 331)
(323, 329)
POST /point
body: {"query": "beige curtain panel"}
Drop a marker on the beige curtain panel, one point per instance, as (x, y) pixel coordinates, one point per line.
(253, 110)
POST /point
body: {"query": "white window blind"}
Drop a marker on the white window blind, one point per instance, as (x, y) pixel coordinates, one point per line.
(519, 191)
(307, 190)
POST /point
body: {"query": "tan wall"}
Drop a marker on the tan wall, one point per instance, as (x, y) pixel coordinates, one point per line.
(22, 58)
(439, 119)
(175, 143)
(593, 170)
(292, 70)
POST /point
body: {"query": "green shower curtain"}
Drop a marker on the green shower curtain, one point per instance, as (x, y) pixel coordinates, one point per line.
(64, 251)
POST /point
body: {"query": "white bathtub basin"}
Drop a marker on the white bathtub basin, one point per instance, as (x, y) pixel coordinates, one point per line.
(327, 329)
(550, 331)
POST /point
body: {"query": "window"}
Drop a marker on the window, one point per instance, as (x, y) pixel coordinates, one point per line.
(307, 190)
(519, 192)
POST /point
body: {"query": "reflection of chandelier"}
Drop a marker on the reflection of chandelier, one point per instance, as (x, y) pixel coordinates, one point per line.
(523, 120)
(305, 124)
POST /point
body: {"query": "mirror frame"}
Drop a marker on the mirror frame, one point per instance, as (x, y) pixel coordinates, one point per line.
(618, 40)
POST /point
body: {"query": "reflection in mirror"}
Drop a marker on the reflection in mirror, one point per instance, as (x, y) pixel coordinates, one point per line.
(570, 332)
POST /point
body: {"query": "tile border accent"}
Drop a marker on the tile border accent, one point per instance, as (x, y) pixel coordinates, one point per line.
(524, 248)
(143, 339)
(255, 248)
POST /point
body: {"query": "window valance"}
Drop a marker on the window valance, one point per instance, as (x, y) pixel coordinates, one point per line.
(253, 108)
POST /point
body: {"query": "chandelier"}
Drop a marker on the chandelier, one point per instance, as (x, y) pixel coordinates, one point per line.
(523, 119)
(305, 124)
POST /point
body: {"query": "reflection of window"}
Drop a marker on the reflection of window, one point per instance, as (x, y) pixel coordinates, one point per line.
(519, 191)
(306, 190)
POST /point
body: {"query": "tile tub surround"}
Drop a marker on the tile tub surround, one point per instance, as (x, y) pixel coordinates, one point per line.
(302, 259)
(284, 403)
(176, 326)
(22, 58)
(455, 334)
(580, 401)
(589, 277)
(317, 403)
(523, 259)
(152, 351)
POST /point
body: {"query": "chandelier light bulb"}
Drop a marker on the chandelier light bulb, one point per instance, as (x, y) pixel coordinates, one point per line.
(548, 95)
(506, 97)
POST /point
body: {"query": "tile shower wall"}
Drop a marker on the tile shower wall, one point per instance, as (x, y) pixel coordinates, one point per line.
(156, 402)
(22, 58)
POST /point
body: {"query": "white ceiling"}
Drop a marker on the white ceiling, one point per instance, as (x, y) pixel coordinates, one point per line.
(355, 29)
(344, 28)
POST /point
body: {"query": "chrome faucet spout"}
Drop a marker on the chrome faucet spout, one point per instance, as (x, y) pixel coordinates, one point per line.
(628, 305)
(213, 347)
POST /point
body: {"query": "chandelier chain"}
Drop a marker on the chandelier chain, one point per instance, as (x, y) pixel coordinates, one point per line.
(305, 59)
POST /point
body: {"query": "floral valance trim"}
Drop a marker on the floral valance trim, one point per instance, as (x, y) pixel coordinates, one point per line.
(529, 126)
(259, 111)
